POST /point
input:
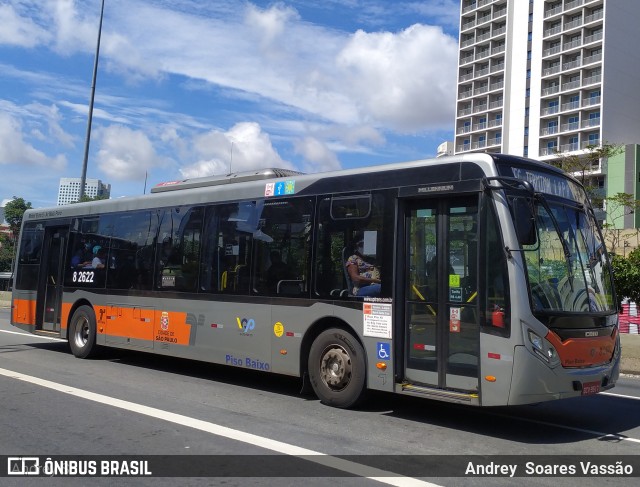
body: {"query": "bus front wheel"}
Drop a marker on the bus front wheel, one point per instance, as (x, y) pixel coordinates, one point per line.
(82, 332)
(337, 368)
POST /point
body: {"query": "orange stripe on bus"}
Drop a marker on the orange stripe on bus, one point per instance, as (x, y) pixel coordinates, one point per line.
(24, 311)
(143, 324)
(584, 352)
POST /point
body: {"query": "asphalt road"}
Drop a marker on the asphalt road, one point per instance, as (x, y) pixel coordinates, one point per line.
(130, 403)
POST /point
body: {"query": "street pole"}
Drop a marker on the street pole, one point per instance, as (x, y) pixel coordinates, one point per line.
(83, 179)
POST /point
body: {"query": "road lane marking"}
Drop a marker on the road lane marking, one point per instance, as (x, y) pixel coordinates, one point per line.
(31, 335)
(347, 466)
(619, 395)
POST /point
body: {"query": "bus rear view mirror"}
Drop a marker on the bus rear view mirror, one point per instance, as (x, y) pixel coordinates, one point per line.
(525, 221)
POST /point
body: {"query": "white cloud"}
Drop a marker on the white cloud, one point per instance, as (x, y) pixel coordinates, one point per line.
(19, 31)
(244, 147)
(126, 154)
(402, 80)
(317, 155)
(15, 150)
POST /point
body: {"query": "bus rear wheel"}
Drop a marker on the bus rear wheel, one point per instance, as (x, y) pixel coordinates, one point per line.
(337, 368)
(82, 332)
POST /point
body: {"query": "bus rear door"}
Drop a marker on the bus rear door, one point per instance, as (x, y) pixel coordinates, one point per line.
(49, 299)
(441, 312)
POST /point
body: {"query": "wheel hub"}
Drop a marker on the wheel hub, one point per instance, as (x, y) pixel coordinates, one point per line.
(336, 368)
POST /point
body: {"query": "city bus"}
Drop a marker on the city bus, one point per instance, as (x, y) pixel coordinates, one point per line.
(492, 285)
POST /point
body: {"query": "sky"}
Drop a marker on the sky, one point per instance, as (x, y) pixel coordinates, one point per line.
(189, 88)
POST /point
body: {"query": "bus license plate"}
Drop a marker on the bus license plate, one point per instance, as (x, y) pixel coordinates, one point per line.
(589, 388)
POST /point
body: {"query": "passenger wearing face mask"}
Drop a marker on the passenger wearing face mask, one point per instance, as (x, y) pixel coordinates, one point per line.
(364, 275)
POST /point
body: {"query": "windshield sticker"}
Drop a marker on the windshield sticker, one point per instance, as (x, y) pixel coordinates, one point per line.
(455, 294)
(454, 320)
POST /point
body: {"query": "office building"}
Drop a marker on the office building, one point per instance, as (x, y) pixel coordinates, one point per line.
(545, 78)
(69, 191)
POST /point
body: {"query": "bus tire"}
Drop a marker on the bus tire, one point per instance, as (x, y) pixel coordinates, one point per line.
(82, 332)
(337, 368)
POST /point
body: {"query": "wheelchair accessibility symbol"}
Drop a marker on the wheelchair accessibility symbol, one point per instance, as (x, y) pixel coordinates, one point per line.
(384, 351)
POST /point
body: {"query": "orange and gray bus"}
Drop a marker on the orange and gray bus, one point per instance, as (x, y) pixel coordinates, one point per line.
(487, 281)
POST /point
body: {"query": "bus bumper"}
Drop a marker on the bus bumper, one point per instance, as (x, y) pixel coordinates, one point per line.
(534, 381)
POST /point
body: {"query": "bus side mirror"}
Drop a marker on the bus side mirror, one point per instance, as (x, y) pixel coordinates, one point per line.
(525, 221)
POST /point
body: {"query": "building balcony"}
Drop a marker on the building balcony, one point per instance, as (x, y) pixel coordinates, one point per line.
(497, 67)
(495, 104)
(550, 110)
(549, 131)
(497, 86)
(571, 65)
(572, 85)
(550, 71)
(483, 19)
(553, 11)
(483, 37)
(466, 77)
(481, 90)
(592, 122)
(480, 108)
(548, 151)
(481, 72)
(551, 90)
(500, 13)
(494, 141)
(497, 50)
(570, 147)
(469, 8)
(467, 43)
(566, 127)
(572, 105)
(593, 17)
(551, 51)
(494, 123)
(464, 112)
(479, 145)
(573, 24)
(480, 126)
(466, 59)
(571, 45)
(482, 54)
(465, 94)
(593, 38)
(592, 100)
(468, 25)
(554, 30)
(593, 59)
(500, 31)
(574, 4)
(591, 80)
(463, 130)
(587, 143)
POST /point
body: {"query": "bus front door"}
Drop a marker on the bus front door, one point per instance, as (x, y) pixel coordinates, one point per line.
(441, 313)
(50, 288)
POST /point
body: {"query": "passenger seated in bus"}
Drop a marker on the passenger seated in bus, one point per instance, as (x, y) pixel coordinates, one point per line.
(99, 257)
(364, 276)
(83, 257)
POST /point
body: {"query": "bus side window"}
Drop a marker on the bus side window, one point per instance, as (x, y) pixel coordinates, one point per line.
(343, 222)
(282, 248)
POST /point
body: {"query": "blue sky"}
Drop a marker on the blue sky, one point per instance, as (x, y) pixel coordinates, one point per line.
(191, 88)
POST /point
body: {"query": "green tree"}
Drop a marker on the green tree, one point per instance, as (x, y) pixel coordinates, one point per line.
(13, 213)
(6, 253)
(626, 275)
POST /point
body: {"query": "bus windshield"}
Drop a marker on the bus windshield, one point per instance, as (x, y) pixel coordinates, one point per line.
(567, 268)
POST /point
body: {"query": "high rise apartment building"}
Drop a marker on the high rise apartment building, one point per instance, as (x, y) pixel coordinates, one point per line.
(69, 191)
(539, 77)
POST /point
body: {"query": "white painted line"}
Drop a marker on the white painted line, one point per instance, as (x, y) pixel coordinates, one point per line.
(31, 335)
(259, 441)
(619, 395)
